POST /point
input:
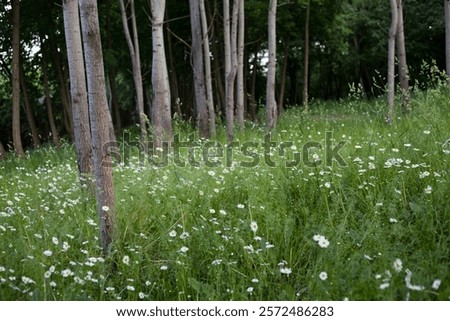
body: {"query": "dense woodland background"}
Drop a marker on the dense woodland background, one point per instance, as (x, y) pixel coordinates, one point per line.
(348, 55)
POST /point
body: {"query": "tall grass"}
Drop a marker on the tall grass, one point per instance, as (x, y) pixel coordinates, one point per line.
(376, 228)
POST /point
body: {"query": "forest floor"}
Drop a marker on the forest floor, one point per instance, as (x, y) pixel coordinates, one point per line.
(335, 205)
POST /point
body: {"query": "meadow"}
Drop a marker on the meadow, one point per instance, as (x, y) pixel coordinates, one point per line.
(249, 223)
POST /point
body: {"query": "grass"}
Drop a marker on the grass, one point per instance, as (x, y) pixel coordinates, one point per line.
(240, 232)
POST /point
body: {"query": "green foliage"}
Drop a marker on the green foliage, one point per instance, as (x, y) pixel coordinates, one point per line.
(245, 233)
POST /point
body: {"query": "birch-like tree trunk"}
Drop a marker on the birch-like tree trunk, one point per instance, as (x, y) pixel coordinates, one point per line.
(133, 46)
(306, 59)
(17, 137)
(100, 124)
(199, 71)
(78, 91)
(403, 71)
(391, 62)
(447, 37)
(208, 77)
(162, 126)
(271, 105)
(230, 38)
(240, 93)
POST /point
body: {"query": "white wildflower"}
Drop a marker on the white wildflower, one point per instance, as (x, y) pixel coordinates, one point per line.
(323, 276)
(398, 265)
(184, 249)
(285, 270)
(436, 284)
(253, 226)
(48, 253)
(126, 260)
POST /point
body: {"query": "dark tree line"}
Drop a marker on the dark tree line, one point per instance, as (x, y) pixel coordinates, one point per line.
(324, 48)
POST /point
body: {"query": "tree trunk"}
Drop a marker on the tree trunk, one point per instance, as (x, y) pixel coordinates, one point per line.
(447, 37)
(133, 47)
(29, 110)
(208, 78)
(98, 112)
(48, 101)
(403, 71)
(160, 78)
(391, 62)
(199, 73)
(283, 77)
(2, 151)
(271, 105)
(17, 137)
(64, 95)
(306, 59)
(113, 103)
(240, 93)
(230, 62)
(255, 65)
(175, 96)
(80, 109)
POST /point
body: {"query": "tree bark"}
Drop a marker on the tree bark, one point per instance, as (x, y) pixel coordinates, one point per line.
(283, 77)
(48, 101)
(447, 38)
(230, 63)
(306, 59)
(2, 151)
(175, 96)
(133, 47)
(113, 103)
(208, 78)
(240, 93)
(162, 126)
(403, 71)
(391, 61)
(271, 105)
(78, 91)
(17, 137)
(98, 112)
(29, 110)
(199, 72)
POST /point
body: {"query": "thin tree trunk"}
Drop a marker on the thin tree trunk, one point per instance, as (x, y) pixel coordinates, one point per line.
(29, 110)
(199, 72)
(64, 95)
(80, 109)
(271, 105)
(160, 78)
(2, 151)
(255, 65)
(175, 96)
(240, 93)
(208, 78)
(98, 110)
(403, 71)
(17, 137)
(133, 47)
(230, 63)
(113, 103)
(447, 38)
(48, 101)
(306, 59)
(283, 77)
(391, 61)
